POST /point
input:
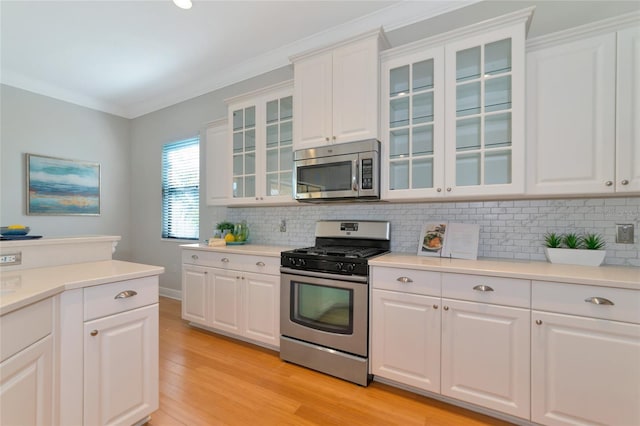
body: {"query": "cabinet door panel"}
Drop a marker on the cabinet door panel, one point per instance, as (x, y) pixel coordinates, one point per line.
(628, 111)
(355, 98)
(225, 300)
(121, 367)
(571, 117)
(217, 159)
(195, 294)
(405, 344)
(26, 385)
(485, 355)
(262, 308)
(312, 97)
(584, 371)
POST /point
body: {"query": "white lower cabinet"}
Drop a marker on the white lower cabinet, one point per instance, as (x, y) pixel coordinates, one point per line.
(26, 365)
(121, 367)
(585, 367)
(485, 355)
(405, 345)
(230, 299)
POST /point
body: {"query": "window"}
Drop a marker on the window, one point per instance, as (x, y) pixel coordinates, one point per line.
(181, 189)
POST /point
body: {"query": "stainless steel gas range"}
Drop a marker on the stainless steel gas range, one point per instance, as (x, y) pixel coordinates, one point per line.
(324, 298)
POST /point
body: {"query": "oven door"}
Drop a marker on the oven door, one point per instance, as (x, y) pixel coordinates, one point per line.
(325, 311)
(326, 177)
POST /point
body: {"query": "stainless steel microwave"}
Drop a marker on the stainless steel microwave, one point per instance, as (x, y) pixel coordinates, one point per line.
(338, 172)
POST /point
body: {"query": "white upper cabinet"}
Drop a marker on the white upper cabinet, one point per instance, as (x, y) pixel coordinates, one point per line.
(583, 116)
(217, 173)
(258, 155)
(336, 92)
(453, 113)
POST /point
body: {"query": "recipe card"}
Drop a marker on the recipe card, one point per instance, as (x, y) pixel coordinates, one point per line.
(454, 240)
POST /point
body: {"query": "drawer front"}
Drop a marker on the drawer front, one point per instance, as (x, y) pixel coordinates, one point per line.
(109, 299)
(485, 289)
(588, 301)
(20, 329)
(238, 262)
(406, 280)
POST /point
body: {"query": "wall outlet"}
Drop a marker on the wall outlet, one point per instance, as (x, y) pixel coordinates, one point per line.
(11, 259)
(624, 233)
(283, 225)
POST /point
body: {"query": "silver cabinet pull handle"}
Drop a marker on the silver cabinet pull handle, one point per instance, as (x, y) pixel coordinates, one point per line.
(599, 301)
(94, 333)
(482, 287)
(538, 322)
(446, 308)
(608, 183)
(435, 306)
(194, 256)
(260, 263)
(405, 280)
(624, 182)
(125, 294)
(224, 259)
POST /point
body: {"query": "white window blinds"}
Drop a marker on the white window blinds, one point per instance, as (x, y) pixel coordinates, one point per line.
(180, 189)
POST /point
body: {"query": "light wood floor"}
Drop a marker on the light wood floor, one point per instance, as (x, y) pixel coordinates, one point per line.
(207, 379)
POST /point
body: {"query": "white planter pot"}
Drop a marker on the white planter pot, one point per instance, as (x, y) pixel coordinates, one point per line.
(575, 256)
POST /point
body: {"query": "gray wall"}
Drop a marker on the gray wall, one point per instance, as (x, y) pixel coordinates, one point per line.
(41, 125)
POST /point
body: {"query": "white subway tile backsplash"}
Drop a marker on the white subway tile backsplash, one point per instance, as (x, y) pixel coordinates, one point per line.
(508, 229)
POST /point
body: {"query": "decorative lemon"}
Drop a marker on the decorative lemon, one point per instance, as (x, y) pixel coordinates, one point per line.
(229, 238)
(16, 227)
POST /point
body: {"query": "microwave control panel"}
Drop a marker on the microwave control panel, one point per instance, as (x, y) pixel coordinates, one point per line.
(367, 173)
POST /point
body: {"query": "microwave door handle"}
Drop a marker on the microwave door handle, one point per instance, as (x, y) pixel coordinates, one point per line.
(355, 177)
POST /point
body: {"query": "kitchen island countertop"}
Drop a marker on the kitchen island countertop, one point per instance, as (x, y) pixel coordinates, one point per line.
(24, 287)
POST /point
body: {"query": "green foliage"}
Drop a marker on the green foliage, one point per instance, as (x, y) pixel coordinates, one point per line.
(572, 240)
(225, 226)
(593, 242)
(553, 240)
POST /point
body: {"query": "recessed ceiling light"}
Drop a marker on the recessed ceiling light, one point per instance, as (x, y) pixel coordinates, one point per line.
(183, 4)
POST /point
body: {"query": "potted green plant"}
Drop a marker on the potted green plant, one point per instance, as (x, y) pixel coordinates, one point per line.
(225, 228)
(575, 249)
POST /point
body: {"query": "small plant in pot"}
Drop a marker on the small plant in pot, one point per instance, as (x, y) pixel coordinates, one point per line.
(575, 249)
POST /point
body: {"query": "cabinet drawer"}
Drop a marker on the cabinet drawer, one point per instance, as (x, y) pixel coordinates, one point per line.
(578, 299)
(406, 280)
(494, 290)
(20, 329)
(238, 262)
(109, 299)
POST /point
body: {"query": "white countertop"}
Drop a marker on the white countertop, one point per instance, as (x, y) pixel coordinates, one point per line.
(608, 276)
(20, 288)
(59, 240)
(250, 249)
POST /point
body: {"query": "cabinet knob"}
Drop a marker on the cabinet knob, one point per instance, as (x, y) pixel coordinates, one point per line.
(446, 308)
(624, 181)
(538, 322)
(439, 189)
(194, 256)
(405, 280)
(94, 333)
(449, 189)
(435, 306)
(327, 139)
(334, 138)
(482, 287)
(260, 263)
(599, 301)
(126, 294)
(608, 183)
(225, 260)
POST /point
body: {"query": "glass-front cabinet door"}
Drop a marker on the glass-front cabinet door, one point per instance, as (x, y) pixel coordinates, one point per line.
(413, 135)
(485, 114)
(261, 137)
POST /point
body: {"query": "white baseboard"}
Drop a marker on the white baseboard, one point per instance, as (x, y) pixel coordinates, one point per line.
(171, 293)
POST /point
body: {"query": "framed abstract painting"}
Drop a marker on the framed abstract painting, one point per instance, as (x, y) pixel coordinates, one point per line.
(56, 186)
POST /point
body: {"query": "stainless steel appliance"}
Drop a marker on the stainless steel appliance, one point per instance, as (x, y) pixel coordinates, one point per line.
(338, 172)
(324, 298)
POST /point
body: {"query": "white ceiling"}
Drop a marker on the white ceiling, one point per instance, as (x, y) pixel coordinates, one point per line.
(132, 57)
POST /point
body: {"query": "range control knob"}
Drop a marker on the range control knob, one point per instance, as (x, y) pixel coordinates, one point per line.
(351, 267)
(301, 262)
(339, 266)
(292, 261)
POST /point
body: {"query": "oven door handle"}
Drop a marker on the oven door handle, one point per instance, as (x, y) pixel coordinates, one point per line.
(353, 278)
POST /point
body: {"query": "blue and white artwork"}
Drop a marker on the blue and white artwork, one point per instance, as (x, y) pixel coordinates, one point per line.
(62, 187)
